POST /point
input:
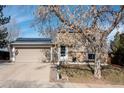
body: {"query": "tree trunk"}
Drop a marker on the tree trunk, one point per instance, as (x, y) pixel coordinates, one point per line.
(97, 70)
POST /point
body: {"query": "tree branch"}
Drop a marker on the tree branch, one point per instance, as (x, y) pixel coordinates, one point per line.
(116, 21)
(55, 9)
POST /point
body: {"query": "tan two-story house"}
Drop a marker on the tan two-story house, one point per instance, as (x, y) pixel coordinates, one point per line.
(67, 47)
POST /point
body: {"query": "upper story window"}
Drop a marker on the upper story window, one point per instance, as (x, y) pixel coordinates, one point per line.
(91, 56)
(63, 50)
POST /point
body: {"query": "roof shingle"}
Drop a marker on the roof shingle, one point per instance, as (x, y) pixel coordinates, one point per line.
(33, 40)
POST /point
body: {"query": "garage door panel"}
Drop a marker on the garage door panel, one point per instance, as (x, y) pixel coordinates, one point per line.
(30, 55)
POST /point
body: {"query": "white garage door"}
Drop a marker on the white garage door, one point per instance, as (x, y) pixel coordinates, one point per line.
(29, 55)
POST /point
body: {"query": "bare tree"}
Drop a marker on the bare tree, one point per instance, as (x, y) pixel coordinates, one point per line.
(94, 22)
(13, 30)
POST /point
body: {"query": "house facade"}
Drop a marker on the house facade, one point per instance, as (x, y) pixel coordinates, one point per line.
(72, 48)
(67, 47)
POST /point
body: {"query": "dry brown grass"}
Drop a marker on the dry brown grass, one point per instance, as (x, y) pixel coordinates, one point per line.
(113, 75)
(84, 74)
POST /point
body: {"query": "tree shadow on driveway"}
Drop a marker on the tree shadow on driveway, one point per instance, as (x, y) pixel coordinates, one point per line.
(41, 67)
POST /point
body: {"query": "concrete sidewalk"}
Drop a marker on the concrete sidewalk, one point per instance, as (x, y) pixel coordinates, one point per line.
(36, 84)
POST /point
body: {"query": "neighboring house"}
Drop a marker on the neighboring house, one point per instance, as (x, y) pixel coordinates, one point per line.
(65, 47)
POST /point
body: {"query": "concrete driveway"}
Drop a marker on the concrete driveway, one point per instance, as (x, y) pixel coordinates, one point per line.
(34, 75)
(23, 73)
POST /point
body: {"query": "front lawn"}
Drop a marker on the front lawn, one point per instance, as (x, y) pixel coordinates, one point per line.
(84, 74)
(113, 75)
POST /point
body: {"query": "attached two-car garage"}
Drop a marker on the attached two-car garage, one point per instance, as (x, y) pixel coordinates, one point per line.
(27, 50)
(30, 55)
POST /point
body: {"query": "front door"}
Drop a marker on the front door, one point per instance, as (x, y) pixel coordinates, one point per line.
(63, 53)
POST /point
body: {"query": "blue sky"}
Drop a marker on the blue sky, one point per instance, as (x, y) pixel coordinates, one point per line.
(24, 16)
